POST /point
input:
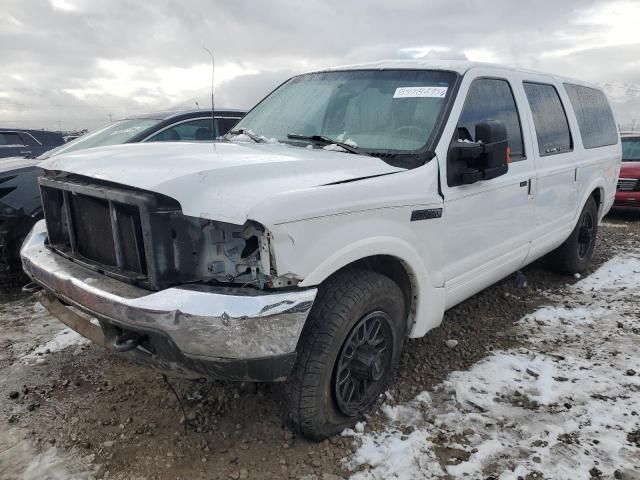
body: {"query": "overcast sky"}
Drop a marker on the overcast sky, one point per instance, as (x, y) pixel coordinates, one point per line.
(78, 63)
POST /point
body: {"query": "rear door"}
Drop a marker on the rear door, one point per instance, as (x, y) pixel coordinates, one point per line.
(487, 223)
(556, 160)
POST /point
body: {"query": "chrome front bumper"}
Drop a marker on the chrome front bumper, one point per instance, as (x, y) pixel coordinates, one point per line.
(204, 323)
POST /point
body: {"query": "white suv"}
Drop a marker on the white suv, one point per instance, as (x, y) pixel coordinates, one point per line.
(346, 212)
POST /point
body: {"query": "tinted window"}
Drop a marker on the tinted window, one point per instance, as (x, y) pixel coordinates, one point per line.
(631, 149)
(122, 131)
(492, 99)
(194, 130)
(10, 138)
(549, 118)
(226, 124)
(595, 119)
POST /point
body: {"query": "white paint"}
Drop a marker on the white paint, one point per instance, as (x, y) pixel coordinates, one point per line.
(576, 356)
(487, 231)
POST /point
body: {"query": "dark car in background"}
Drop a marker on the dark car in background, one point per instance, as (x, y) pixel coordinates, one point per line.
(628, 191)
(20, 205)
(15, 142)
(169, 126)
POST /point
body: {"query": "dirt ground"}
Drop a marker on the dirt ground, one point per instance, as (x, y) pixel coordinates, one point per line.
(85, 412)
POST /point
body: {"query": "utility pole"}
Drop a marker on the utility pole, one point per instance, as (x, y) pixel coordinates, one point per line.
(111, 118)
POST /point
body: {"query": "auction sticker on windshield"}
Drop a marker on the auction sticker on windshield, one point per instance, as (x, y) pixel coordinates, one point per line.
(420, 92)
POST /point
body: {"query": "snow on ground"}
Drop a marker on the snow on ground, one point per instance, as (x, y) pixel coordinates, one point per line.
(565, 405)
(47, 333)
(19, 460)
(63, 339)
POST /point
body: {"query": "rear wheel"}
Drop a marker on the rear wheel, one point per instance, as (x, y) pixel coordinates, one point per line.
(576, 253)
(347, 353)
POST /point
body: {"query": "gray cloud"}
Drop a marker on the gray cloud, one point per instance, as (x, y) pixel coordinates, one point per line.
(78, 66)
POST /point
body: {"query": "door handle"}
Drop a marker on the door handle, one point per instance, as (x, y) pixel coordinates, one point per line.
(526, 183)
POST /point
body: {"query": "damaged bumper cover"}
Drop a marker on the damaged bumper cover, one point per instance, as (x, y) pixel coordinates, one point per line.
(228, 333)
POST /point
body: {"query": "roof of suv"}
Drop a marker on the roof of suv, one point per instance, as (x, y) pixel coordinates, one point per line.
(458, 66)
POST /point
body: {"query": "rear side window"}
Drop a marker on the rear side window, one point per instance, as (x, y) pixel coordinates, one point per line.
(549, 118)
(492, 99)
(10, 138)
(226, 123)
(193, 130)
(595, 119)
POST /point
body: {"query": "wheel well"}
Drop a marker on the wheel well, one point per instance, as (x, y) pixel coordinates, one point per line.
(396, 270)
(597, 196)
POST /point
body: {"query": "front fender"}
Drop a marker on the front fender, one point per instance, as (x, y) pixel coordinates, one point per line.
(314, 250)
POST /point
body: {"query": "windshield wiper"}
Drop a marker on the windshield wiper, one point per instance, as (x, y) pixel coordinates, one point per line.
(324, 140)
(248, 133)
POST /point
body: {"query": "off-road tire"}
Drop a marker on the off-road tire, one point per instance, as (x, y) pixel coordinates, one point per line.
(343, 301)
(574, 255)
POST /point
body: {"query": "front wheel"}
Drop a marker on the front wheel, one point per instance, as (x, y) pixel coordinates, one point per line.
(576, 253)
(347, 353)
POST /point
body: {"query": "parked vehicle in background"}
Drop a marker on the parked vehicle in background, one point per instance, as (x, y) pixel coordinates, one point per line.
(15, 142)
(20, 205)
(628, 194)
(347, 211)
(169, 126)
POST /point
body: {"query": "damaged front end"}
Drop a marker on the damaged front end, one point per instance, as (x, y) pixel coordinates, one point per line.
(186, 293)
(143, 238)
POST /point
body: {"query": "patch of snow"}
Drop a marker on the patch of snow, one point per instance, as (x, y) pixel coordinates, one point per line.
(244, 138)
(344, 139)
(63, 339)
(565, 403)
(334, 148)
(19, 459)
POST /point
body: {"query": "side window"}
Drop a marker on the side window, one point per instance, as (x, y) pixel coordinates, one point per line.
(226, 124)
(595, 119)
(549, 119)
(193, 130)
(492, 99)
(11, 138)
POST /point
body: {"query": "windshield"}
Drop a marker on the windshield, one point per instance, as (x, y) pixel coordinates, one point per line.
(372, 110)
(631, 149)
(119, 132)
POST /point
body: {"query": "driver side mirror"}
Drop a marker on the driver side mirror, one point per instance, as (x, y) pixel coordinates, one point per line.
(484, 159)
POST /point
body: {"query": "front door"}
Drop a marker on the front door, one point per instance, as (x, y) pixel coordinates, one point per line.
(488, 223)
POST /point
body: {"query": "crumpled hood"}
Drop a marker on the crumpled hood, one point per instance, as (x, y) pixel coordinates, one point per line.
(235, 177)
